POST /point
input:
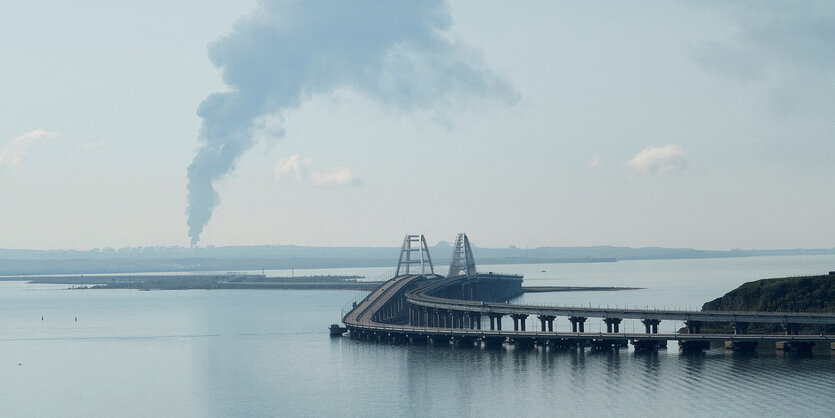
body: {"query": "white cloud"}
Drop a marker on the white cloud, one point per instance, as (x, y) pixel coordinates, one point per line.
(300, 168)
(12, 153)
(295, 165)
(339, 176)
(661, 159)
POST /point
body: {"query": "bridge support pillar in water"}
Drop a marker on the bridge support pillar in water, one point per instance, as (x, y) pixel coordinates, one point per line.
(517, 320)
(642, 345)
(493, 341)
(561, 343)
(475, 320)
(693, 345)
(600, 344)
(464, 341)
(693, 327)
(612, 325)
(577, 323)
(522, 342)
(495, 321)
(439, 339)
(791, 329)
(651, 325)
(795, 346)
(741, 345)
(546, 320)
(417, 339)
(740, 327)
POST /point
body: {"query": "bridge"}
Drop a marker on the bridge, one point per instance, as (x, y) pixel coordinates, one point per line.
(468, 307)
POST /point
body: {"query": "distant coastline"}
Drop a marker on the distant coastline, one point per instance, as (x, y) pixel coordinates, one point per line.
(279, 257)
(251, 281)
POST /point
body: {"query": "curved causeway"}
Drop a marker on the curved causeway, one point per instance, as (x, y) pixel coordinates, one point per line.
(428, 307)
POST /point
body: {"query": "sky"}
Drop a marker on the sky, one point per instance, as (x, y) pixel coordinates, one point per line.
(545, 123)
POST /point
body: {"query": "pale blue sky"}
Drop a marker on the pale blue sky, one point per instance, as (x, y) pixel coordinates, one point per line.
(703, 125)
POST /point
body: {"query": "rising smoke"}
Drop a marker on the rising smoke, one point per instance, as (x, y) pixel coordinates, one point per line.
(398, 52)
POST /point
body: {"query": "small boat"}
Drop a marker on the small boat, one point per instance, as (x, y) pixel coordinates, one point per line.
(336, 330)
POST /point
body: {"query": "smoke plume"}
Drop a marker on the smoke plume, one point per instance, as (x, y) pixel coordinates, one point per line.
(399, 53)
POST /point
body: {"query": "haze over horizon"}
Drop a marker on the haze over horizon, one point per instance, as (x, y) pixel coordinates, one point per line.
(704, 126)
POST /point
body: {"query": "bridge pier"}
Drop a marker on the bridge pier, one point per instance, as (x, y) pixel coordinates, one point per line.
(601, 343)
(577, 323)
(561, 343)
(642, 345)
(517, 319)
(740, 327)
(475, 320)
(693, 345)
(547, 320)
(741, 345)
(495, 321)
(417, 339)
(493, 342)
(693, 327)
(795, 346)
(612, 325)
(464, 340)
(522, 342)
(439, 339)
(651, 325)
(791, 329)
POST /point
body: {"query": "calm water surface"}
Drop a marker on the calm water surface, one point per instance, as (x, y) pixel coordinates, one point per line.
(241, 353)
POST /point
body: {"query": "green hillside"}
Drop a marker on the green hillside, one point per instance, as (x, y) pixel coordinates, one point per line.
(788, 294)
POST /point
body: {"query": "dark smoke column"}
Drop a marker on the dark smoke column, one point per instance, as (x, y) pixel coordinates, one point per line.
(226, 133)
(394, 52)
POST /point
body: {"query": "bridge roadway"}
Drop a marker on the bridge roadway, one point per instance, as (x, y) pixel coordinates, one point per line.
(362, 314)
(360, 319)
(422, 297)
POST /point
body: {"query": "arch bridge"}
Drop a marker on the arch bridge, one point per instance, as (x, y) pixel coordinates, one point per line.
(468, 307)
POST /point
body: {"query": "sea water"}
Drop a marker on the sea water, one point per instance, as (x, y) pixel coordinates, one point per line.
(241, 353)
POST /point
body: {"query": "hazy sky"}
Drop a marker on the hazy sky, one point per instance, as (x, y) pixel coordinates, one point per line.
(706, 124)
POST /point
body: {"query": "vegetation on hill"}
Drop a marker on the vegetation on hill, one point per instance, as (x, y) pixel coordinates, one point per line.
(788, 294)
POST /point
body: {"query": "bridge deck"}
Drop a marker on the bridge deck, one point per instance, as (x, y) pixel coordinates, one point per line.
(363, 312)
(539, 335)
(360, 318)
(420, 298)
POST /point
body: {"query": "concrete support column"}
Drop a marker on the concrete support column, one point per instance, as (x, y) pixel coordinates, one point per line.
(791, 329)
(612, 324)
(477, 318)
(495, 321)
(519, 321)
(694, 327)
(740, 327)
(651, 325)
(577, 323)
(546, 322)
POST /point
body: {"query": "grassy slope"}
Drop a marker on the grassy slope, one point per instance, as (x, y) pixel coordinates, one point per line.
(788, 294)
